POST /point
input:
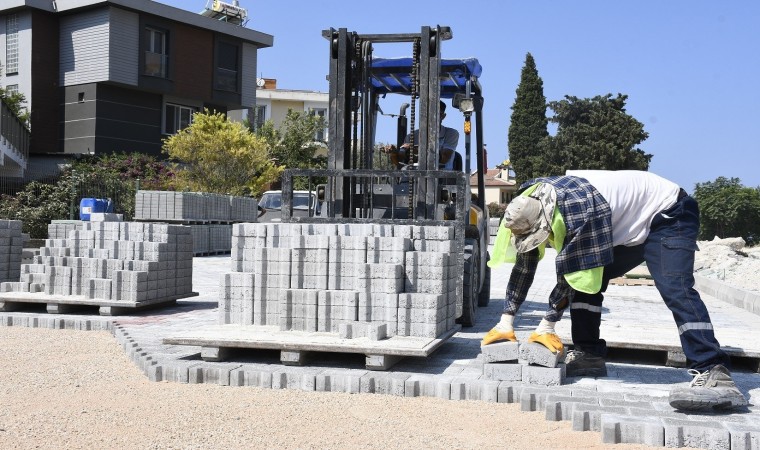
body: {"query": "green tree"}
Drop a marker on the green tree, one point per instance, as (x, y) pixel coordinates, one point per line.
(528, 125)
(728, 209)
(593, 133)
(293, 145)
(16, 102)
(220, 156)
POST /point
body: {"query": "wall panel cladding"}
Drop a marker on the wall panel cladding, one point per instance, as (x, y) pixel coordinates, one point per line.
(46, 109)
(193, 60)
(84, 47)
(128, 120)
(111, 119)
(248, 74)
(78, 126)
(124, 46)
(82, 144)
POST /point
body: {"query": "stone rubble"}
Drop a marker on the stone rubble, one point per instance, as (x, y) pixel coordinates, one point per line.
(729, 260)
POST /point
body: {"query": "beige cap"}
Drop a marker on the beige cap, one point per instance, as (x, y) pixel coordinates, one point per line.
(529, 217)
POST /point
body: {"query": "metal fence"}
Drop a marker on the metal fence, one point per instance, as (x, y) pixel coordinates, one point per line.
(40, 200)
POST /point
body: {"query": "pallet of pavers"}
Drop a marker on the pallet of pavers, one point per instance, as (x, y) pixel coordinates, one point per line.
(117, 266)
(379, 290)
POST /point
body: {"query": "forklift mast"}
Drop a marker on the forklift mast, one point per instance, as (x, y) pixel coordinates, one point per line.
(353, 94)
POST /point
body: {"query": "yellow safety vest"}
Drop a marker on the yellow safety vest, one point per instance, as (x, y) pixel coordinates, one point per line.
(588, 281)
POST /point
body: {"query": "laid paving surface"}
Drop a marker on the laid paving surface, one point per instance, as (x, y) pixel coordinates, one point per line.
(629, 405)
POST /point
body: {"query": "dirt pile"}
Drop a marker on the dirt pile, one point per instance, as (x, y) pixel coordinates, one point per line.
(729, 260)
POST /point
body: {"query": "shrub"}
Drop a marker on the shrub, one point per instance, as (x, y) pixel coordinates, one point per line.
(108, 176)
(496, 209)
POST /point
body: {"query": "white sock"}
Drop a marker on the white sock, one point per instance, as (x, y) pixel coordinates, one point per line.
(505, 324)
(545, 327)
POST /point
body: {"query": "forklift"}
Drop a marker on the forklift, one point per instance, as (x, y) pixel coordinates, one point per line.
(351, 190)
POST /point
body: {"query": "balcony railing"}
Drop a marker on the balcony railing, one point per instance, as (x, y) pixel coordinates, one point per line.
(156, 64)
(14, 131)
(226, 79)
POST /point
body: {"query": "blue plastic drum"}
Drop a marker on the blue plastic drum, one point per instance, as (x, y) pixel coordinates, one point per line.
(88, 206)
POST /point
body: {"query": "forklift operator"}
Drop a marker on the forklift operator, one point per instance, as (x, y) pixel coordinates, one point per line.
(448, 139)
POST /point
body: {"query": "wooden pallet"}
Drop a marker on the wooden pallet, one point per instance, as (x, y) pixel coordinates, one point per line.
(217, 342)
(216, 253)
(64, 304)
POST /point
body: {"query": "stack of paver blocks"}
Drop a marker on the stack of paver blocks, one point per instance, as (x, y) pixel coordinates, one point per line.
(194, 206)
(11, 247)
(114, 261)
(355, 280)
(529, 362)
(59, 229)
(197, 209)
(211, 238)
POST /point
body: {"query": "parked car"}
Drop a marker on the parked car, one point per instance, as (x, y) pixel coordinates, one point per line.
(305, 204)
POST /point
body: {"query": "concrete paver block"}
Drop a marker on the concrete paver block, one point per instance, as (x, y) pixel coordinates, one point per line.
(502, 371)
(617, 429)
(535, 353)
(248, 376)
(560, 407)
(544, 376)
(508, 392)
(744, 436)
(684, 433)
(588, 417)
(500, 352)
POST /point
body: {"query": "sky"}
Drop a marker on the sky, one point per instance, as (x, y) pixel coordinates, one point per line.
(690, 69)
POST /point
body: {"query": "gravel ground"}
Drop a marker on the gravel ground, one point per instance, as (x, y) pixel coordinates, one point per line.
(76, 389)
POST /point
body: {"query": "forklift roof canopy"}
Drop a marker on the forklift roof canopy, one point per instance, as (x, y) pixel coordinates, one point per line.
(394, 75)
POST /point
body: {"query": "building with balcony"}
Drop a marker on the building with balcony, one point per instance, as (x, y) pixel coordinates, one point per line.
(105, 76)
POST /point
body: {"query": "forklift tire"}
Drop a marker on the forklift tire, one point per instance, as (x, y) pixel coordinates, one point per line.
(484, 297)
(469, 288)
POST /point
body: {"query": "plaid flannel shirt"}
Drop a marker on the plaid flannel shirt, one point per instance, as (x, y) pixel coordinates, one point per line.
(588, 243)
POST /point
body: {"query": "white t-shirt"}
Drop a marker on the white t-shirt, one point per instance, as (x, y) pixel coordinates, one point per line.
(635, 198)
(448, 138)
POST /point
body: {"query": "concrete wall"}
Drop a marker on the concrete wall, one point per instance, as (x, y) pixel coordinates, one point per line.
(280, 109)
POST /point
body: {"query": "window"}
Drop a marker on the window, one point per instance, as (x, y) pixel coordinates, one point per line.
(156, 53)
(506, 197)
(11, 89)
(177, 117)
(227, 67)
(321, 112)
(260, 116)
(11, 44)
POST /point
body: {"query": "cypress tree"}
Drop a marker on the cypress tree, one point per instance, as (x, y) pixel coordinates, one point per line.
(528, 126)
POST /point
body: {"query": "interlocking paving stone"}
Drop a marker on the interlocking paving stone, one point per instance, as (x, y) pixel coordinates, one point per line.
(632, 430)
(456, 370)
(684, 433)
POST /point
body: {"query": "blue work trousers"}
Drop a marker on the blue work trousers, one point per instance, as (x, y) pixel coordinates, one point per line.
(669, 254)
